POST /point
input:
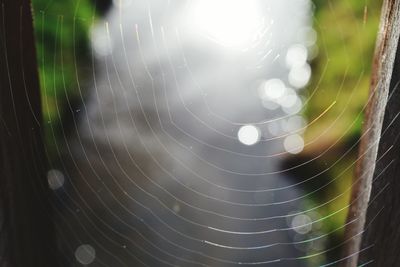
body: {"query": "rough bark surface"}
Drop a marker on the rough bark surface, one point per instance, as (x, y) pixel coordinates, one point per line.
(371, 166)
(381, 239)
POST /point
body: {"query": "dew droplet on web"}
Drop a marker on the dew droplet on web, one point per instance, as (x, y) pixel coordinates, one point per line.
(299, 76)
(302, 224)
(296, 56)
(293, 144)
(249, 135)
(85, 254)
(55, 179)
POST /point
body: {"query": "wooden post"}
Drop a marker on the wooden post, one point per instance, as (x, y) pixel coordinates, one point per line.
(375, 186)
(26, 233)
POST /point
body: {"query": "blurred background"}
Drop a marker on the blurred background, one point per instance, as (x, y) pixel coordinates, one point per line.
(213, 133)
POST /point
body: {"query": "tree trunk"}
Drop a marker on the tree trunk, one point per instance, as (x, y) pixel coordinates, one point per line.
(27, 236)
(371, 171)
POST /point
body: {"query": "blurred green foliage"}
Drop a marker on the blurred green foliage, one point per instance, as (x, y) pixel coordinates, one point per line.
(347, 31)
(62, 42)
(337, 95)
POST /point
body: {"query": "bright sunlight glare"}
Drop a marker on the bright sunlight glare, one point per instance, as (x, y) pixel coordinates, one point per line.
(231, 23)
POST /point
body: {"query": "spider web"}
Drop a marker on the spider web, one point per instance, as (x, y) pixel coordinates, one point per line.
(191, 146)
